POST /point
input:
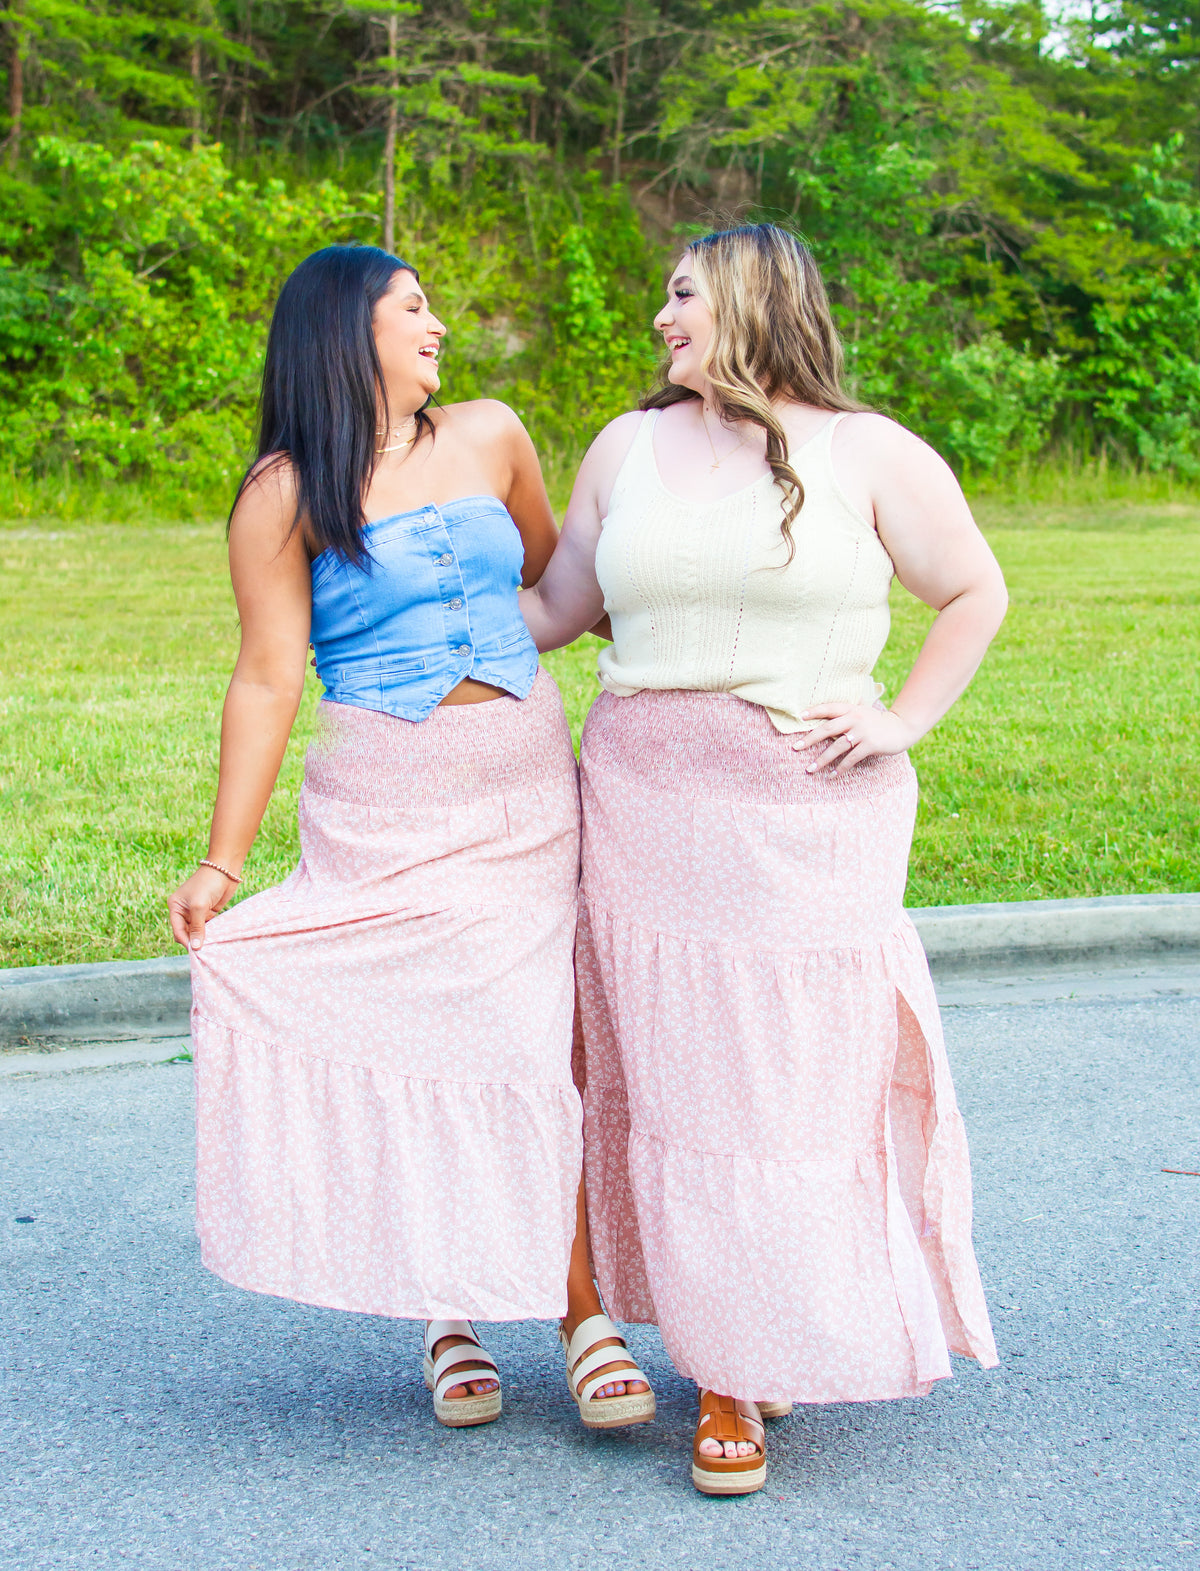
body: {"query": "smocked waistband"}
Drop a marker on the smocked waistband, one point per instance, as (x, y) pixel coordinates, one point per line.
(718, 746)
(459, 753)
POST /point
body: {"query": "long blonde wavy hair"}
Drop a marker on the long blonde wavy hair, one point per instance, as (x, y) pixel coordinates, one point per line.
(773, 337)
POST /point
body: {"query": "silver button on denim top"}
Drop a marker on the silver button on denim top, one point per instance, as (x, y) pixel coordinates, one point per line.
(435, 602)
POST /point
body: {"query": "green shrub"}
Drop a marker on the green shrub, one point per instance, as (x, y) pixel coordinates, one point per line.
(1146, 361)
(131, 332)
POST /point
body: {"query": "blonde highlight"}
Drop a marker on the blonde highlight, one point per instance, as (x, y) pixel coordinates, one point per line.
(773, 337)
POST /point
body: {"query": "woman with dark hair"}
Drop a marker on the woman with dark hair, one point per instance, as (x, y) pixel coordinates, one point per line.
(386, 1119)
(777, 1170)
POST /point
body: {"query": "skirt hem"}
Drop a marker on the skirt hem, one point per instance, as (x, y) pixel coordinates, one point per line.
(542, 1309)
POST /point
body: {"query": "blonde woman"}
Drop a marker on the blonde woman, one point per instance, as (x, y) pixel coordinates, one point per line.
(776, 1169)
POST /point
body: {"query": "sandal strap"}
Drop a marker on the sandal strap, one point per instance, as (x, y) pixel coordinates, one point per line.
(470, 1363)
(435, 1330)
(597, 1359)
(731, 1419)
(463, 1362)
(460, 1377)
(589, 1388)
(602, 1358)
(587, 1333)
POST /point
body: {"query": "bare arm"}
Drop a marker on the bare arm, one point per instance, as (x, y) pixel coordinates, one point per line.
(520, 485)
(272, 583)
(926, 526)
(567, 600)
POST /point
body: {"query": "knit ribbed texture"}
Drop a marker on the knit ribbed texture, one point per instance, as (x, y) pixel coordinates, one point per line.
(702, 596)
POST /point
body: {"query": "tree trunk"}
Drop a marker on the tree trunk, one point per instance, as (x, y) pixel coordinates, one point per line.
(244, 111)
(621, 83)
(389, 145)
(16, 88)
(194, 62)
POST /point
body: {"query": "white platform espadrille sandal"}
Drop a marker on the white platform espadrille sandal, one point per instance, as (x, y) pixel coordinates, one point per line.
(457, 1366)
(584, 1358)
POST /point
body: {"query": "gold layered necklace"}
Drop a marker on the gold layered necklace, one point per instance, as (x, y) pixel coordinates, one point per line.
(717, 462)
(395, 447)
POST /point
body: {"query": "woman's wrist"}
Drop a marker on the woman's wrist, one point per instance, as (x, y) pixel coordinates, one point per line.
(219, 867)
(231, 863)
(915, 728)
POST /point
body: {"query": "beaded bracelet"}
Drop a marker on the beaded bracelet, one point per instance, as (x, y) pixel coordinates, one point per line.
(232, 877)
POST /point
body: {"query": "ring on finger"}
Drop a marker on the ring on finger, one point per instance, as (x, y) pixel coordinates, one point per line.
(848, 737)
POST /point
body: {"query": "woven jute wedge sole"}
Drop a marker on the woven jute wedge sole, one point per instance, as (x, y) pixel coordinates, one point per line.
(710, 1482)
(463, 1412)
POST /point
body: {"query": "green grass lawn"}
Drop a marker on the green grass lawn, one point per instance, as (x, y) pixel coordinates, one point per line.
(1070, 768)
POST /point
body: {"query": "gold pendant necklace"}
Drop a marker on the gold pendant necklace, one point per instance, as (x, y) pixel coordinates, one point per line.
(396, 446)
(717, 462)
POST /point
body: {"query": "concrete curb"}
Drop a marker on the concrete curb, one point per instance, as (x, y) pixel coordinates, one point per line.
(131, 999)
(117, 1000)
(1040, 932)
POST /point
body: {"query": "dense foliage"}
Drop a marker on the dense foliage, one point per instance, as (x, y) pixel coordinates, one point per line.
(1006, 210)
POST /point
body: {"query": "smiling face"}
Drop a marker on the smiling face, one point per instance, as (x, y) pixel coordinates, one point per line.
(686, 324)
(407, 339)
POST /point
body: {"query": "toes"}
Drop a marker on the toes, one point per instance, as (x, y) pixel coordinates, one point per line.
(711, 1448)
(472, 1388)
(744, 1448)
(619, 1388)
(731, 1449)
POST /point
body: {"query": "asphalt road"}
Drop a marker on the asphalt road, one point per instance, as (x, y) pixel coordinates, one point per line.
(155, 1417)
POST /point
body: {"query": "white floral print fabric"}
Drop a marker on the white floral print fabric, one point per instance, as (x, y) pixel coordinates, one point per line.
(386, 1119)
(777, 1169)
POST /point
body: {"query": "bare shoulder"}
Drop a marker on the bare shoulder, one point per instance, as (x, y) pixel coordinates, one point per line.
(890, 450)
(486, 419)
(610, 448)
(621, 430)
(601, 464)
(266, 507)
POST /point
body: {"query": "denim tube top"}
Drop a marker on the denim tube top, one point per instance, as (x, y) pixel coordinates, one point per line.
(435, 602)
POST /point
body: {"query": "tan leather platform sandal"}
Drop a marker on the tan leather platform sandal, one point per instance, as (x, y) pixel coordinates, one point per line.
(724, 1419)
(773, 1409)
(457, 1366)
(584, 1358)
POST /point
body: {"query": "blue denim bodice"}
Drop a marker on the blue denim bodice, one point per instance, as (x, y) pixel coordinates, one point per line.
(434, 603)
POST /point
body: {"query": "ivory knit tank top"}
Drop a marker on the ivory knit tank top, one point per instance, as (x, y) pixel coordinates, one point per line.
(701, 595)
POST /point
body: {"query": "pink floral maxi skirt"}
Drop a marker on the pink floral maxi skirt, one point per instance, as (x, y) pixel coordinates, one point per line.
(777, 1170)
(386, 1119)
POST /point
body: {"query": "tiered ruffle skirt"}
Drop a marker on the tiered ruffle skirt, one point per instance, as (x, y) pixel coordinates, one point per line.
(386, 1119)
(777, 1169)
